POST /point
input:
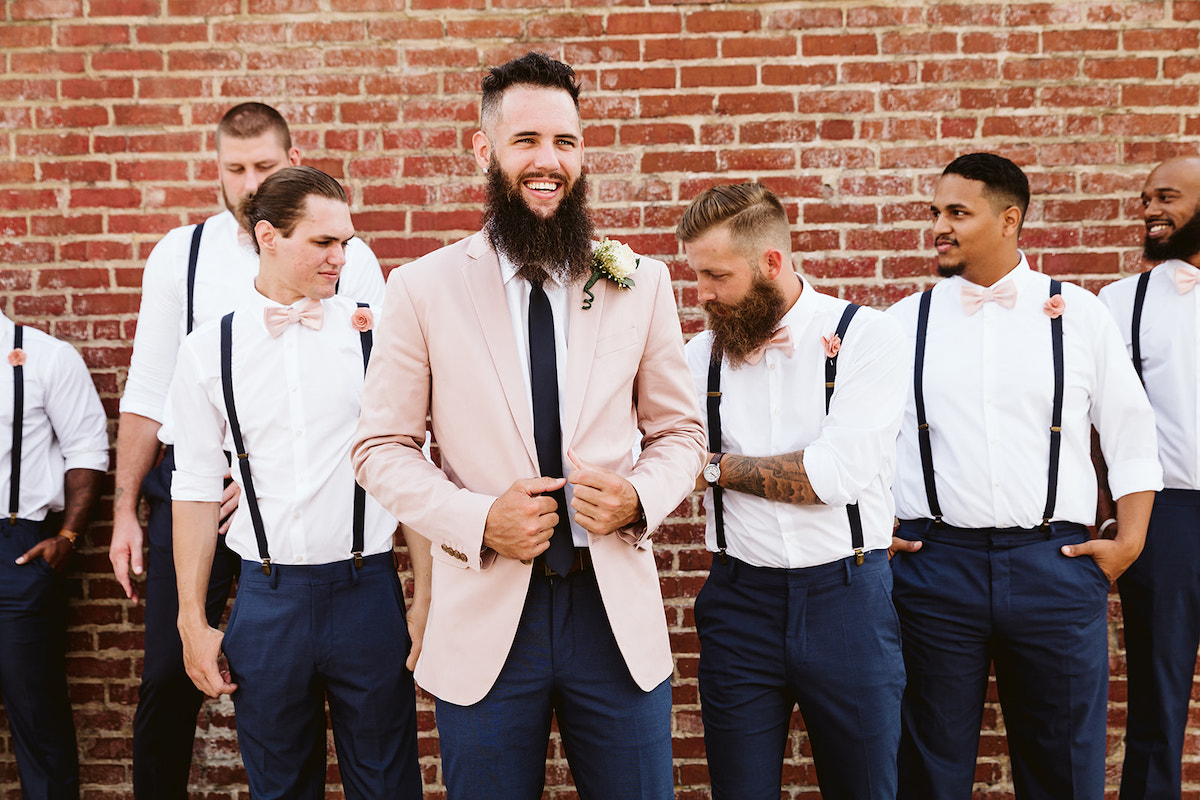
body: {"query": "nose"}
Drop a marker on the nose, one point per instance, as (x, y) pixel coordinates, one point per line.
(704, 290)
(337, 255)
(253, 179)
(940, 224)
(545, 158)
(1152, 208)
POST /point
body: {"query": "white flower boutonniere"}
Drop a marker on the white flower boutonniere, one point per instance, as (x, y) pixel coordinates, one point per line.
(613, 260)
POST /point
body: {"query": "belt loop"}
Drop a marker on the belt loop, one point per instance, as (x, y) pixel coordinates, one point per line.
(846, 564)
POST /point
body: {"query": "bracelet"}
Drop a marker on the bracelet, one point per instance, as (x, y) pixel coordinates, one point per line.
(1104, 526)
(70, 536)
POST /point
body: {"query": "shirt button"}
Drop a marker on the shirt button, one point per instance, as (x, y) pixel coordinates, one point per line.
(299, 559)
(772, 366)
(776, 412)
(296, 515)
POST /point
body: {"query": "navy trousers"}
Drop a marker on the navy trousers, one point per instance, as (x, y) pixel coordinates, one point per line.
(33, 673)
(823, 638)
(1160, 601)
(309, 634)
(564, 663)
(164, 725)
(1009, 599)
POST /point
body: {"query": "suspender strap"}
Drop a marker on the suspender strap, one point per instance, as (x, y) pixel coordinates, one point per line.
(1139, 300)
(852, 512)
(714, 446)
(14, 490)
(193, 256)
(1056, 341)
(360, 494)
(919, 396)
(235, 430)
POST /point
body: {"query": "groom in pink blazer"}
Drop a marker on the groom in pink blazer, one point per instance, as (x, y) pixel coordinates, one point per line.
(567, 431)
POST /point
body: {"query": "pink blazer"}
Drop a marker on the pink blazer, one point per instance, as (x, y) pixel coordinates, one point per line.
(445, 347)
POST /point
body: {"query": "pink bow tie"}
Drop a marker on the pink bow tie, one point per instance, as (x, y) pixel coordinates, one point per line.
(781, 339)
(973, 297)
(1185, 279)
(307, 312)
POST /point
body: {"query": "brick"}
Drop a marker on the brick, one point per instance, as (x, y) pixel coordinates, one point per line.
(758, 47)
(919, 43)
(1041, 69)
(143, 114)
(732, 75)
(921, 100)
(722, 21)
(77, 171)
(35, 63)
(839, 45)
(627, 79)
(642, 23)
(676, 105)
(250, 32)
(755, 103)
(754, 160)
(88, 116)
(1161, 95)
(1005, 41)
(205, 60)
(105, 198)
(966, 15)
(873, 72)
(25, 35)
(174, 33)
(91, 35)
(22, 10)
(52, 144)
(976, 69)
(1043, 14)
(792, 75)
(837, 157)
(778, 131)
(392, 30)
(1121, 68)
(96, 88)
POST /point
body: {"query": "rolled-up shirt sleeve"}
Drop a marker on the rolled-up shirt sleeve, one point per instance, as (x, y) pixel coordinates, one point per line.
(75, 412)
(200, 464)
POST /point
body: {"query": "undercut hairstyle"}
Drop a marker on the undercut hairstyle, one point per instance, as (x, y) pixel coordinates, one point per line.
(531, 69)
(281, 199)
(753, 213)
(1005, 184)
(251, 120)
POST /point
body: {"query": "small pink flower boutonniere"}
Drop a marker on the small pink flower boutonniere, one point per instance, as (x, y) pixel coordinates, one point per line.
(832, 345)
(1055, 306)
(17, 357)
(362, 320)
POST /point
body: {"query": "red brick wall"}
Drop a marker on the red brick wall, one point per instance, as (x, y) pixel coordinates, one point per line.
(847, 109)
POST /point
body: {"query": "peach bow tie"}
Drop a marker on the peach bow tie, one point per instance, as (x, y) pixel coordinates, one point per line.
(307, 312)
(973, 297)
(1186, 279)
(781, 339)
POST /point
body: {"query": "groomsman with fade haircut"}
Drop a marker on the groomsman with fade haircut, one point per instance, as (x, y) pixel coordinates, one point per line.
(1159, 316)
(803, 395)
(195, 274)
(994, 489)
(320, 612)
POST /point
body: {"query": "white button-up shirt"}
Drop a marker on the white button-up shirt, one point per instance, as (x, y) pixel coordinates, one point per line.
(225, 272)
(1170, 343)
(778, 406)
(298, 399)
(63, 425)
(989, 388)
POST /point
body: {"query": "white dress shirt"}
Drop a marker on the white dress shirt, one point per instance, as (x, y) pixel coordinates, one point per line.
(989, 388)
(298, 398)
(516, 292)
(1170, 341)
(778, 406)
(64, 425)
(225, 272)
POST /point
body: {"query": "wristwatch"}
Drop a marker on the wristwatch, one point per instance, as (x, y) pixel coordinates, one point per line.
(712, 470)
(68, 535)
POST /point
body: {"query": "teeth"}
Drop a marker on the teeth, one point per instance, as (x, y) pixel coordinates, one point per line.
(1157, 227)
(542, 186)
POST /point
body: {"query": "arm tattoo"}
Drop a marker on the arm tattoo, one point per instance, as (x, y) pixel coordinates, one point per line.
(780, 477)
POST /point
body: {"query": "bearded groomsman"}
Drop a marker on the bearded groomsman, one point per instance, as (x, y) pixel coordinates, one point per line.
(1158, 314)
(540, 383)
(994, 487)
(804, 395)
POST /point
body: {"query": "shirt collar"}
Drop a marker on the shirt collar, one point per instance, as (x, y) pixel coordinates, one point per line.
(508, 272)
(1019, 274)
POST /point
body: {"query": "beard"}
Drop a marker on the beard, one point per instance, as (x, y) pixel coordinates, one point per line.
(950, 270)
(1182, 244)
(558, 246)
(740, 328)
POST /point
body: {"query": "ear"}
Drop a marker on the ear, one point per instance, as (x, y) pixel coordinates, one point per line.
(773, 262)
(1010, 221)
(294, 156)
(483, 149)
(266, 234)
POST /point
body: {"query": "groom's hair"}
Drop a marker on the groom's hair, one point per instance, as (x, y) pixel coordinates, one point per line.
(755, 217)
(1004, 183)
(531, 69)
(281, 199)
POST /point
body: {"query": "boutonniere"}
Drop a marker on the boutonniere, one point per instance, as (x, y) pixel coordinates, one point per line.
(17, 357)
(832, 345)
(1054, 306)
(362, 320)
(613, 260)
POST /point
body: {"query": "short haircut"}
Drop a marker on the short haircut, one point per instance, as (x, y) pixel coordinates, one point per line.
(251, 120)
(281, 199)
(752, 211)
(1004, 183)
(531, 69)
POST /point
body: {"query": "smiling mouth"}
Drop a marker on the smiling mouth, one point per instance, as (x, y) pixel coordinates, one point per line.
(542, 186)
(1155, 230)
(944, 245)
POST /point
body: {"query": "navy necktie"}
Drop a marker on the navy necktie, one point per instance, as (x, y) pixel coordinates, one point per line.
(547, 432)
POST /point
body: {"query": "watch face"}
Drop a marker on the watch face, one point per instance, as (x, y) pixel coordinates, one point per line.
(712, 472)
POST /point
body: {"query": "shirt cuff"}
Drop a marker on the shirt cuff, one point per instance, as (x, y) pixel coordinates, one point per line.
(1138, 475)
(142, 409)
(821, 469)
(94, 460)
(192, 488)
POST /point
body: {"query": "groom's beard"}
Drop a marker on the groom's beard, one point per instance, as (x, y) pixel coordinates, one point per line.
(1183, 243)
(559, 245)
(740, 328)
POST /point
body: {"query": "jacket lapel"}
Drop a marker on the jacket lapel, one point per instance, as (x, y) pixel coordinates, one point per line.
(581, 352)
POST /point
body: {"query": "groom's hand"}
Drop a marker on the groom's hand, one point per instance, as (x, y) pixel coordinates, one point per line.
(521, 521)
(604, 501)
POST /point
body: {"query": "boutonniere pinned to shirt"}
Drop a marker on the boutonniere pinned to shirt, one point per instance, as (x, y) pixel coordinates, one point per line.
(1055, 306)
(832, 345)
(17, 357)
(613, 260)
(362, 320)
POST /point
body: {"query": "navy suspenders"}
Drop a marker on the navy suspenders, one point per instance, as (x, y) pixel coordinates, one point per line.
(14, 490)
(714, 440)
(1139, 300)
(1056, 341)
(235, 430)
(193, 256)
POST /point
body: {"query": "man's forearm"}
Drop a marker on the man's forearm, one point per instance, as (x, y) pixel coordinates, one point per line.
(781, 477)
(195, 541)
(137, 450)
(1133, 517)
(81, 489)
(421, 558)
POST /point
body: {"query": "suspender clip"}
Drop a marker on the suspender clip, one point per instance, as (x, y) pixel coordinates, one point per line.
(266, 567)
(1045, 526)
(924, 426)
(1055, 429)
(858, 556)
(722, 556)
(829, 384)
(243, 455)
(358, 559)
(12, 518)
(713, 394)
(937, 522)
